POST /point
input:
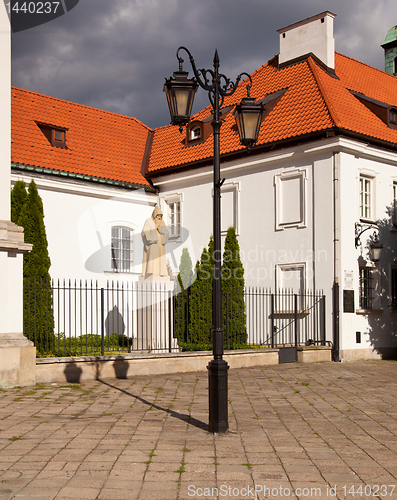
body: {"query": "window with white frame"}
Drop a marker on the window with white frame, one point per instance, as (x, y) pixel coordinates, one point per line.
(172, 210)
(121, 249)
(291, 199)
(394, 207)
(366, 197)
(175, 218)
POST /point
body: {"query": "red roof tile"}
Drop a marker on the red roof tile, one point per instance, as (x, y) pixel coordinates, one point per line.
(100, 144)
(314, 101)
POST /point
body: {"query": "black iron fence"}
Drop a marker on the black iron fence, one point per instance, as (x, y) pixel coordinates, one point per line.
(76, 318)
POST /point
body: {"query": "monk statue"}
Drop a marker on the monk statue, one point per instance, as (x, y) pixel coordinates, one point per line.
(154, 235)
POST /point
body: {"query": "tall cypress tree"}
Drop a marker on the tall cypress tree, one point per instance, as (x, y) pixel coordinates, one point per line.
(38, 312)
(18, 199)
(201, 299)
(234, 316)
(183, 283)
(185, 270)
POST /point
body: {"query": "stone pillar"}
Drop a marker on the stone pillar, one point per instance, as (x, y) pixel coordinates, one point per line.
(17, 353)
(154, 317)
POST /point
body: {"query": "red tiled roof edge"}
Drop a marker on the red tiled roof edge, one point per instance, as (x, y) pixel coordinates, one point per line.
(18, 89)
(82, 177)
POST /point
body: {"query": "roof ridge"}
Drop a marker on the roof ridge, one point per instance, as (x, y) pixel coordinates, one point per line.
(81, 105)
(384, 73)
(315, 70)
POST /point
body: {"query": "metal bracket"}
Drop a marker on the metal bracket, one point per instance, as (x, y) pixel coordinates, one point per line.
(360, 228)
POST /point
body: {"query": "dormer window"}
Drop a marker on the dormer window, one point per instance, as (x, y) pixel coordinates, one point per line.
(59, 135)
(195, 133)
(55, 135)
(393, 115)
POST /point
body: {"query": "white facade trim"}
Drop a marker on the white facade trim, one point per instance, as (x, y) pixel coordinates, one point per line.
(62, 185)
(300, 219)
(283, 268)
(233, 187)
(333, 144)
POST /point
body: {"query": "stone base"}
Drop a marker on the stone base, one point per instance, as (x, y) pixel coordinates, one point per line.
(369, 353)
(155, 278)
(314, 354)
(80, 369)
(17, 361)
(154, 318)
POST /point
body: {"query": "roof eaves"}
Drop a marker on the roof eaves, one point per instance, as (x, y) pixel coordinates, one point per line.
(89, 178)
(258, 149)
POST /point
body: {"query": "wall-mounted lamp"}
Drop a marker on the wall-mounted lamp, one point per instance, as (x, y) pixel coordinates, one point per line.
(375, 247)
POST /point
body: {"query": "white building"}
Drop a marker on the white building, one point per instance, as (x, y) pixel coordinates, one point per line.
(324, 165)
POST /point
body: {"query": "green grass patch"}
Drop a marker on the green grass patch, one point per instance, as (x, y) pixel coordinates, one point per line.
(15, 438)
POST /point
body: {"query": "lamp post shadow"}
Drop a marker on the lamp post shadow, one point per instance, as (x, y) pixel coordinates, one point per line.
(185, 418)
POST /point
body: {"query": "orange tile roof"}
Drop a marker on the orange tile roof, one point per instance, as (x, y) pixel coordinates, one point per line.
(314, 102)
(100, 144)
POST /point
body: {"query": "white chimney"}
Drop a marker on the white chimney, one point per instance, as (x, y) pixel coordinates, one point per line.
(315, 34)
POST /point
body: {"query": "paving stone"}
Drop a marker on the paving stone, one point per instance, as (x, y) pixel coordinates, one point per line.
(341, 431)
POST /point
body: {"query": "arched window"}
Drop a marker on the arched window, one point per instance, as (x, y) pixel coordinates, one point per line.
(121, 249)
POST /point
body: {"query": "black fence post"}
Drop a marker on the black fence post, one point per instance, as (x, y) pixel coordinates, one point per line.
(170, 315)
(296, 319)
(227, 321)
(323, 321)
(102, 321)
(272, 318)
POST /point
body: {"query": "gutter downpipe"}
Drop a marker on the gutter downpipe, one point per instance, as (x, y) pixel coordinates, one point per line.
(336, 280)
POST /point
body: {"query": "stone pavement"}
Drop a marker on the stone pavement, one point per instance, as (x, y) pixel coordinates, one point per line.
(297, 431)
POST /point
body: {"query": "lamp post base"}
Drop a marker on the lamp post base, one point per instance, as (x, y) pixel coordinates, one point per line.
(218, 403)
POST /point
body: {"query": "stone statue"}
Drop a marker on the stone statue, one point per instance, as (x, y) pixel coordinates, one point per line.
(154, 235)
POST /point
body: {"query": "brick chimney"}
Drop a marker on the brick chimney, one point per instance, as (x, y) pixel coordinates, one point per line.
(313, 35)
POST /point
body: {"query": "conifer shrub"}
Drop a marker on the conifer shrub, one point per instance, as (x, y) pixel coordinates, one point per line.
(27, 211)
(194, 303)
(234, 315)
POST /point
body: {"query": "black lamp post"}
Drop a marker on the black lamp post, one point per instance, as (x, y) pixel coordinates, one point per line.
(180, 93)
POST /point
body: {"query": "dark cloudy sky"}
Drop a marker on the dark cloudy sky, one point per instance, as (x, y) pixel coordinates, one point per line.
(114, 54)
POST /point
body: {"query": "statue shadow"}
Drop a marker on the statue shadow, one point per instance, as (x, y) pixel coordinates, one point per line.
(180, 416)
(114, 322)
(120, 367)
(72, 373)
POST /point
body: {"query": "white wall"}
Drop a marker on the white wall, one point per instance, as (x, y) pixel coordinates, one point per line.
(5, 111)
(262, 244)
(377, 328)
(265, 247)
(78, 220)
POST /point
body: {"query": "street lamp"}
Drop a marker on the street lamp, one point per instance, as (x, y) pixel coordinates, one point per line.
(180, 92)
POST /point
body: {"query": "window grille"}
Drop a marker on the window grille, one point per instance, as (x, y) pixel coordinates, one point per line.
(366, 288)
(121, 249)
